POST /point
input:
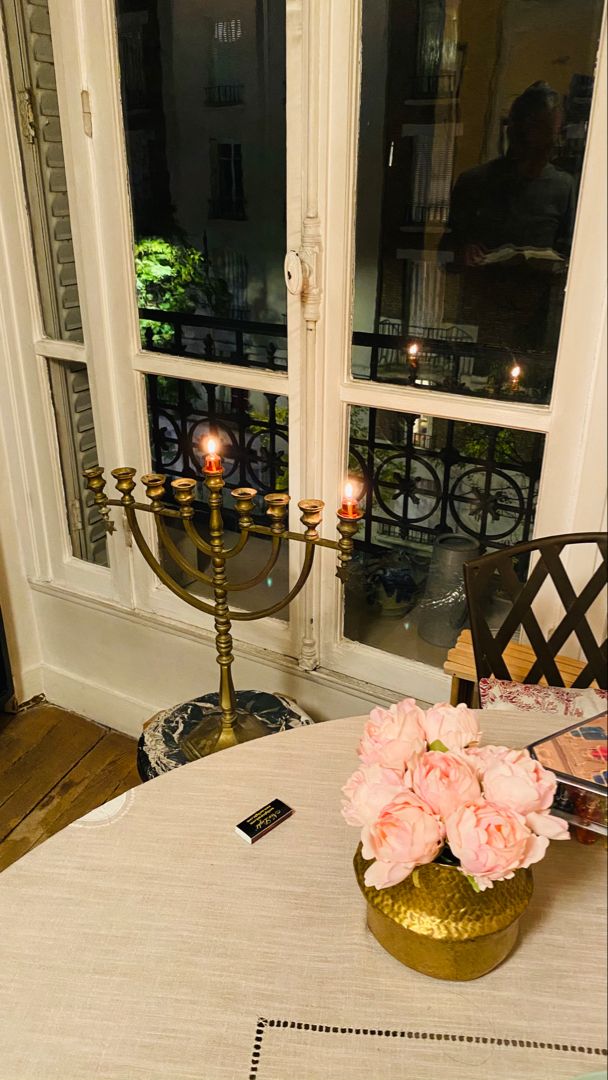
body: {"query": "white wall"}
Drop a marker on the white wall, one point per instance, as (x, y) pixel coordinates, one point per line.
(119, 667)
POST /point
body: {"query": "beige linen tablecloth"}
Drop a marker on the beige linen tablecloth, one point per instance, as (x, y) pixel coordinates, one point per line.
(149, 941)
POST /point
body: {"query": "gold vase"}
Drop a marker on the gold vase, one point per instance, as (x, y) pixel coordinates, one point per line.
(435, 922)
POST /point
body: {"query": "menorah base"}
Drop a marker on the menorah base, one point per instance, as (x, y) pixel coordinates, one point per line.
(159, 749)
(211, 734)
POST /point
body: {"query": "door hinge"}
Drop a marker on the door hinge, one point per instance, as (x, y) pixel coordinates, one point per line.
(26, 116)
(75, 511)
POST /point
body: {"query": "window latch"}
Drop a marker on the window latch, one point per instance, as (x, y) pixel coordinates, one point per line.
(87, 116)
(294, 275)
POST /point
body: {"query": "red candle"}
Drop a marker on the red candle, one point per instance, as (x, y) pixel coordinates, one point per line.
(350, 506)
(213, 461)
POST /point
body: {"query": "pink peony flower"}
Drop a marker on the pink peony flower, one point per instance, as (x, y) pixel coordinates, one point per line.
(518, 782)
(481, 757)
(406, 834)
(445, 781)
(492, 842)
(369, 789)
(455, 726)
(392, 737)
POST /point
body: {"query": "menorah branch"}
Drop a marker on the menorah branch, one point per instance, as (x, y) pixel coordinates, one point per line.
(179, 559)
(248, 616)
(239, 586)
(159, 570)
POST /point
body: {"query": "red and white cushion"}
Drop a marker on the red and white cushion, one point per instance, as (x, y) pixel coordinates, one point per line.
(564, 702)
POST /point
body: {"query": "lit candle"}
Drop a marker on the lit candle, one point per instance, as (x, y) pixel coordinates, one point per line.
(213, 461)
(413, 349)
(515, 373)
(350, 506)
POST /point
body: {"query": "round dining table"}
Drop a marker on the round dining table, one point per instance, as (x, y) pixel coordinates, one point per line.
(148, 940)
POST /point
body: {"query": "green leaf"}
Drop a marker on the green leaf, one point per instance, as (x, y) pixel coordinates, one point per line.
(438, 745)
(472, 883)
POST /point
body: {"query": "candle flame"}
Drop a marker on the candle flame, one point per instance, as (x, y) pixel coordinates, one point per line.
(211, 446)
(515, 372)
(413, 348)
(348, 491)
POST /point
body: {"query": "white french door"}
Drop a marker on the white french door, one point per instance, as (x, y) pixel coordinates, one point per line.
(553, 373)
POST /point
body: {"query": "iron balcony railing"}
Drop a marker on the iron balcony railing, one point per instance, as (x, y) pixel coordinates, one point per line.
(439, 358)
(224, 94)
(208, 337)
(415, 485)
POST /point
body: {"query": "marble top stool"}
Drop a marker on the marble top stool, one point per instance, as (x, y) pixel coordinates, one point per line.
(158, 748)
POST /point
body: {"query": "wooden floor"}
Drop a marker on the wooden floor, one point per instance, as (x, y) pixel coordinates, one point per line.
(55, 767)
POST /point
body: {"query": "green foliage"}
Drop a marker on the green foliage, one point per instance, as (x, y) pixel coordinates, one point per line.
(174, 277)
(511, 446)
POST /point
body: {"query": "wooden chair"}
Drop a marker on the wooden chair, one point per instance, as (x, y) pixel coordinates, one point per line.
(485, 651)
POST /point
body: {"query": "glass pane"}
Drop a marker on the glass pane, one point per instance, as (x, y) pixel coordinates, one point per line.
(435, 493)
(203, 93)
(71, 396)
(473, 125)
(251, 429)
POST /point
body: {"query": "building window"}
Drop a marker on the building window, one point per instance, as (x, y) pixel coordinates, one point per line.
(227, 30)
(227, 197)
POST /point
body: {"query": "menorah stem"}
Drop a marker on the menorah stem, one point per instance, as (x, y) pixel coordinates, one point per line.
(227, 725)
(223, 637)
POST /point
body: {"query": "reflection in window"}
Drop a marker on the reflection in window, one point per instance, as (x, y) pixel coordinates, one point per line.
(435, 493)
(227, 30)
(227, 197)
(251, 429)
(473, 124)
(204, 113)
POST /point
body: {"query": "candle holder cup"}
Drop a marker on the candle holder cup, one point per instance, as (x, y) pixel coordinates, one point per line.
(227, 725)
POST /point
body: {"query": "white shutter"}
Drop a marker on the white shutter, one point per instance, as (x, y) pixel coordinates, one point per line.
(33, 73)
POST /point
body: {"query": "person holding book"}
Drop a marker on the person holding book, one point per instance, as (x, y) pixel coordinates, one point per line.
(510, 227)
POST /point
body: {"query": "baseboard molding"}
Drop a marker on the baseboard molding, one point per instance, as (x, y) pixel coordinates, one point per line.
(29, 682)
(95, 702)
(127, 714)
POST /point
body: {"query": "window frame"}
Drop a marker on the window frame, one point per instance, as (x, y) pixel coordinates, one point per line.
(322, 93)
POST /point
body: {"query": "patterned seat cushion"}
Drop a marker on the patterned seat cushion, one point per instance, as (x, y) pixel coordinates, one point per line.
(567, 703)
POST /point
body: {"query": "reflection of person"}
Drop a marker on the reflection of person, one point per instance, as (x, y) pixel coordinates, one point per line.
(510, 226)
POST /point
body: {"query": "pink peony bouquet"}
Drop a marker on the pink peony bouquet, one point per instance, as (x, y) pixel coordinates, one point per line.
(426, 791)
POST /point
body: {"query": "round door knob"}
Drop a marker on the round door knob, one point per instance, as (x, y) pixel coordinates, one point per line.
(293, 273)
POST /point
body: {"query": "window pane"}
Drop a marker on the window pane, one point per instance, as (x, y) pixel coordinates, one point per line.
(77, 452)
(203, 92)
(473, 125)
(252, 431)
(436, 493)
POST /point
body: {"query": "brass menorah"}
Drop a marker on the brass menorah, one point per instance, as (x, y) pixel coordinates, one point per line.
(227, 725)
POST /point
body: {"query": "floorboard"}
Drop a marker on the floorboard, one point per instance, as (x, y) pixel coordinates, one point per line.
(54, 767)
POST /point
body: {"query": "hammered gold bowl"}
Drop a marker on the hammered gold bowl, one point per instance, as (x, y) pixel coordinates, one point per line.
(435, 922)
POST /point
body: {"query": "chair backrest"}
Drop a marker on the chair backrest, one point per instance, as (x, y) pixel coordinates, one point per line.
(489, 643)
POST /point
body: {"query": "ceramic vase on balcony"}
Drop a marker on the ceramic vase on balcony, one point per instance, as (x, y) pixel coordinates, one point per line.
(436, 923)
(441, 612)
